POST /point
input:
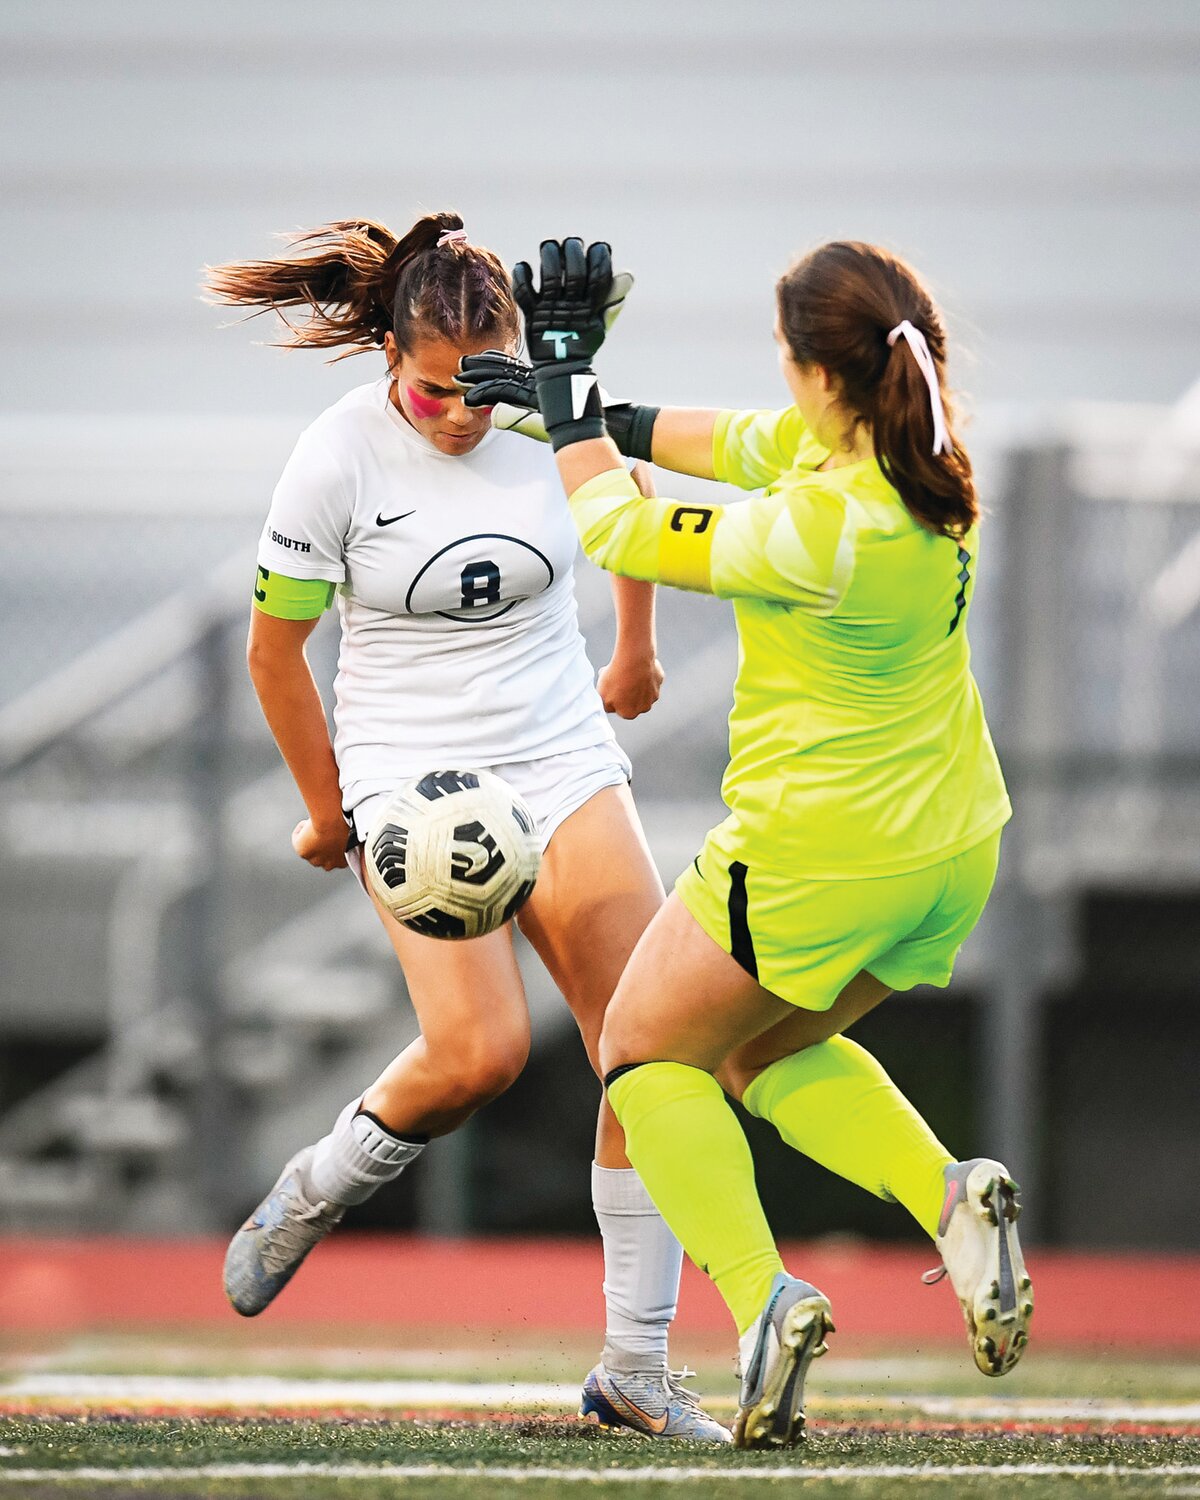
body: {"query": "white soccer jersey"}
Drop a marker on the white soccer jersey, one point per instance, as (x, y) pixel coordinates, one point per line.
(460, 644)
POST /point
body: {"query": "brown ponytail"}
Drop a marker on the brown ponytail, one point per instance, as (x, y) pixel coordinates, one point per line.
(357, 282)
(837, 306)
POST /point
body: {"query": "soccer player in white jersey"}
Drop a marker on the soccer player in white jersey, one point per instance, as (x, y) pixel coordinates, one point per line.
(450, 555)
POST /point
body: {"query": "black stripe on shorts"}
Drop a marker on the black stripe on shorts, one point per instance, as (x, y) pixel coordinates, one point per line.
(741, 944)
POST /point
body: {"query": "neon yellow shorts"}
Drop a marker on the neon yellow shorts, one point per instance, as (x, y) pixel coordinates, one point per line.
(805, 940)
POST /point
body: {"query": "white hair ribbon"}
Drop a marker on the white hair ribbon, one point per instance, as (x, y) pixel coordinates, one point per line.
(451, 237)
(920, 349)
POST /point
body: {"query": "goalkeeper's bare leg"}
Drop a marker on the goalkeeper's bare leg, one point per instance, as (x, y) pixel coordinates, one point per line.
(684, 998)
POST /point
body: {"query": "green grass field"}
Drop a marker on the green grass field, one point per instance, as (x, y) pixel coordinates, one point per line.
(509, 1458)
(181, 1417)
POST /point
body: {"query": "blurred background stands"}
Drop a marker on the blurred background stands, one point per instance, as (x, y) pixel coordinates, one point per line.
(183, 1002)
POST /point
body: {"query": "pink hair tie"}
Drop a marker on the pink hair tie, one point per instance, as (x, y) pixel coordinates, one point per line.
(916, 342)
(451, 237)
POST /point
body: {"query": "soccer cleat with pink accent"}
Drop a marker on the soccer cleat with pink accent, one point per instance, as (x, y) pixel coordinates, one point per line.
(977, 1238)
(776, 1351)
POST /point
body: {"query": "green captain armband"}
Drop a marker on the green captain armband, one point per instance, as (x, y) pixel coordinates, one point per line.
(292, 598)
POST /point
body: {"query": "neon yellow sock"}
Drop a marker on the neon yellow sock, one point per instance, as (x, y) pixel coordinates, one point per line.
(694, 1159)
(836, 1104)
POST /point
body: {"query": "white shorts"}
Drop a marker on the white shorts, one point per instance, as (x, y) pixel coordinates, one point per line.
(554, 786)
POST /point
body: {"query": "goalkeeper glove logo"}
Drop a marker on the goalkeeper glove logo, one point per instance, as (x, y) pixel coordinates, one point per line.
(582, 387)
(560, 339)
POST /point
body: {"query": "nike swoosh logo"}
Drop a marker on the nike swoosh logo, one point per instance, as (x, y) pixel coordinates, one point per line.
(656, 1425)
(381, 521)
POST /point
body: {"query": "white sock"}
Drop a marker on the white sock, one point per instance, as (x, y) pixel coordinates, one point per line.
(642, 1262)
(358, 1156)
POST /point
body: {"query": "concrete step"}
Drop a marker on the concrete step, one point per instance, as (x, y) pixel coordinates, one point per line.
(44, 1193)
(320, 998)
(262, 1060)
(139, 1125)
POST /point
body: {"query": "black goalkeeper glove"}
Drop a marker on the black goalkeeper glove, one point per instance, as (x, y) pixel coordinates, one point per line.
(508, 386)
(564, 327)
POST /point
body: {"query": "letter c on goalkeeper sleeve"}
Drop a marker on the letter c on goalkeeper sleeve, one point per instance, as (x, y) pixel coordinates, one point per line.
(685, 546)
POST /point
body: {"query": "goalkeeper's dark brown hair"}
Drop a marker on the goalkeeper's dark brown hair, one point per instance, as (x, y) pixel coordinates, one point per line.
(356, 282)
(837, 306)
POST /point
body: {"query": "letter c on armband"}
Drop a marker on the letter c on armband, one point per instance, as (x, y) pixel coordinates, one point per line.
(685, 547)
(703, 514)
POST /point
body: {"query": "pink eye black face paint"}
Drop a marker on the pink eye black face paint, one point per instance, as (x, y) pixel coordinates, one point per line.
(422, 407)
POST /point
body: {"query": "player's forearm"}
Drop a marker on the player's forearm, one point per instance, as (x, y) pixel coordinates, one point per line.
(682, 440)
(633, 604)
(633, 599)
(295, 716)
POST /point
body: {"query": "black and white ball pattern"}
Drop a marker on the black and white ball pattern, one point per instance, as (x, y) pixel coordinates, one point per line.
(453, 854)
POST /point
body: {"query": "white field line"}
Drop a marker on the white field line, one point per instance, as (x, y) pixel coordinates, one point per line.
(492, 1473)
(1056, 1409)
(270, 1390)
(279, 1392)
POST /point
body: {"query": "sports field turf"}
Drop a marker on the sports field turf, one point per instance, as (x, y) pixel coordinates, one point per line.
(159, 1416)
(123, 1372)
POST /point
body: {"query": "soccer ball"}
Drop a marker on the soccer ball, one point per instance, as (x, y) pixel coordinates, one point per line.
(453, 854)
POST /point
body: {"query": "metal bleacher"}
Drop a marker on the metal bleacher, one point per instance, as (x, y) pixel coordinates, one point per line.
(181, 1001)
(149, 900)
(150, 903)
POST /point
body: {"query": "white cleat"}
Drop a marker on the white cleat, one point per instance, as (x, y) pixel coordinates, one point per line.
(268, 1249)
(977, 1238)
(777, 1350)
(652, 1403)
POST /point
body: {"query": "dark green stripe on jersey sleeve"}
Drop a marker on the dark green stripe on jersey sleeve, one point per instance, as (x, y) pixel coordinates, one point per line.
(291, 598)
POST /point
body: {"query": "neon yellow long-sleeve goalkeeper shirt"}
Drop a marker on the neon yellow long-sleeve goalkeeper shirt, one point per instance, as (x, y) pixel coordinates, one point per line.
(858, 744)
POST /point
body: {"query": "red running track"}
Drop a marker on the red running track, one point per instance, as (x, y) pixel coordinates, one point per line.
(1149, 1301)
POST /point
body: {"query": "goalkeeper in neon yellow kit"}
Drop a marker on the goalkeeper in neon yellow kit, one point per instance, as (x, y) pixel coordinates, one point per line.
(865, 799)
